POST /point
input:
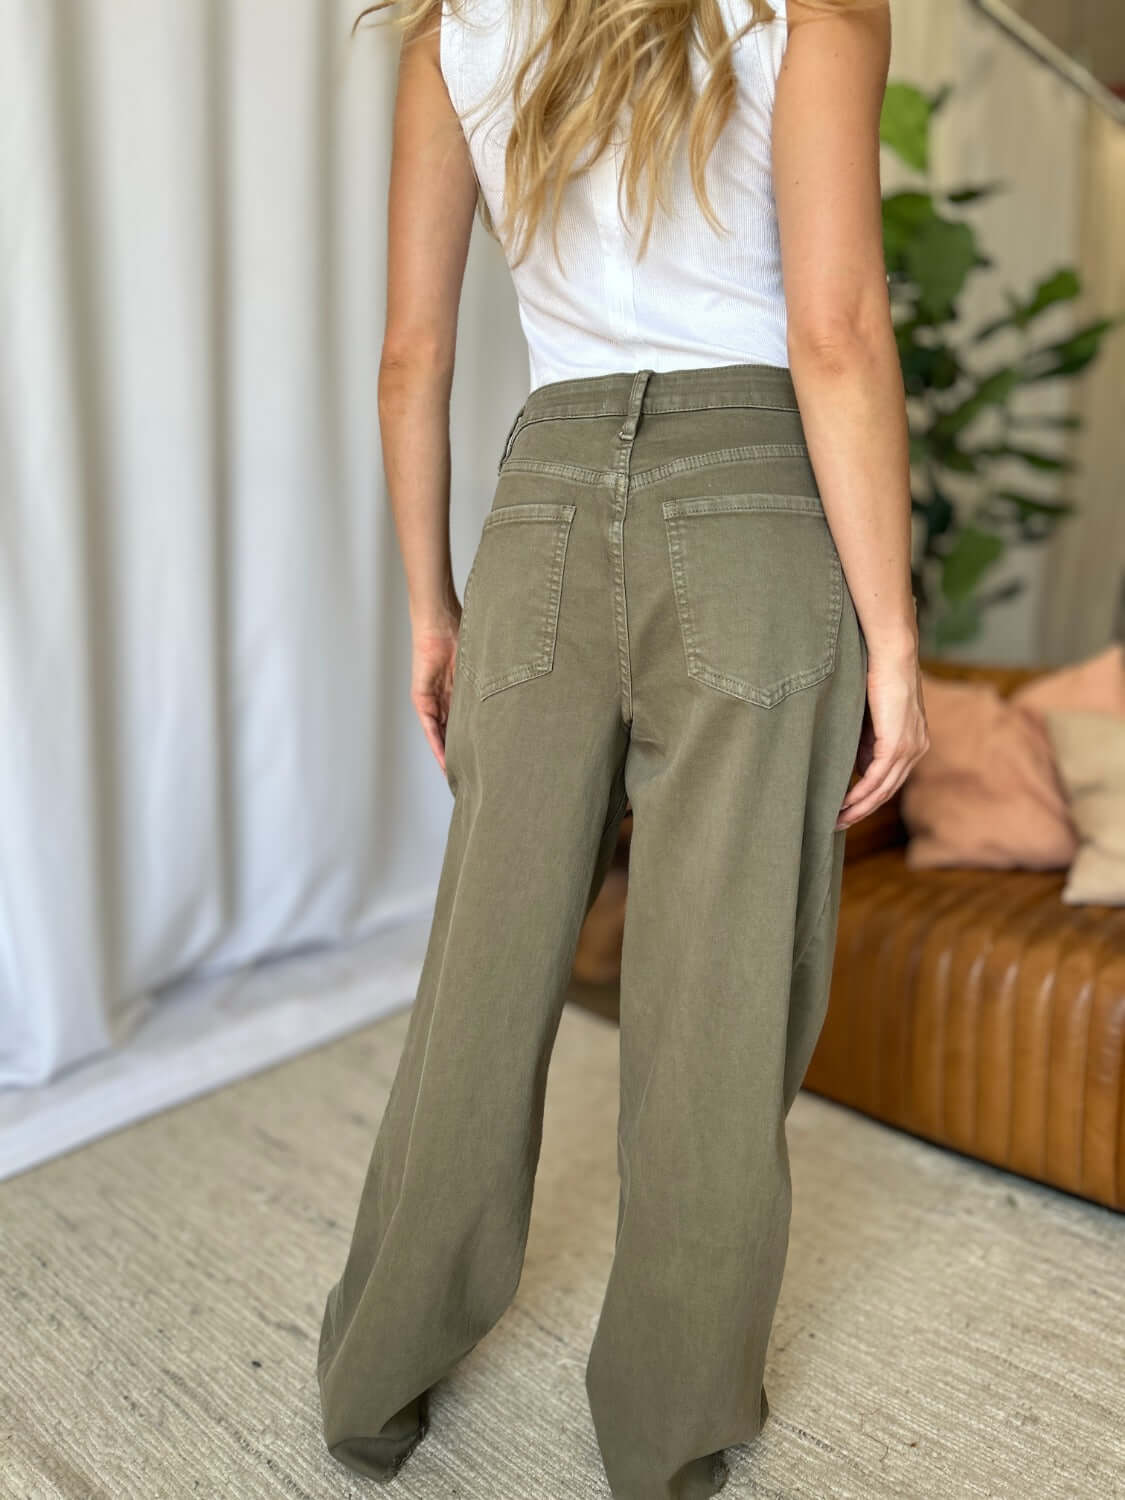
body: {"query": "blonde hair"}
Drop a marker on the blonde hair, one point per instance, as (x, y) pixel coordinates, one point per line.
(598, 55)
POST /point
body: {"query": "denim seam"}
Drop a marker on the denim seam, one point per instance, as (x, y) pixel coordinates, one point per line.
(657, 406)
(625, 437)
(620, 609)
(530, 510)
(718, 456)
(824, 871)
(577, 472)
(645, 477)
(743, 500)
(602, 409)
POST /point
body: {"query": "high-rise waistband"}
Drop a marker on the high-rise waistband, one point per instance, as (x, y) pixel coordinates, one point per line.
(665, 390)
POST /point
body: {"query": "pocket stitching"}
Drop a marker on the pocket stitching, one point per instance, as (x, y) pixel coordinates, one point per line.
(757, 500)
(530, 510)
(675, 510)
(561, 514)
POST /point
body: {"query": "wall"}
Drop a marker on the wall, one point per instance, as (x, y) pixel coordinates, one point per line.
(1092, 31)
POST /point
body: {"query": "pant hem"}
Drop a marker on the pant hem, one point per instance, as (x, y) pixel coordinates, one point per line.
(379, 1458)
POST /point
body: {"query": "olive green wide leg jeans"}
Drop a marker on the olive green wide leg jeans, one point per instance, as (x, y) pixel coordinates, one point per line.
(656, 610)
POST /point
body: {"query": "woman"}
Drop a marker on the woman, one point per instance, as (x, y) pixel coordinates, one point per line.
(692, 593)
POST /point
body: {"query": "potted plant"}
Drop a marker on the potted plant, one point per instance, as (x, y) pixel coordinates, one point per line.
(965, 416)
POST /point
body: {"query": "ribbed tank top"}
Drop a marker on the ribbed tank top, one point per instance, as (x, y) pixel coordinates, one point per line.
(697, 297)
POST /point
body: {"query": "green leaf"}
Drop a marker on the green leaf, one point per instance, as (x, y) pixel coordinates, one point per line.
(1007, 321)
(993, 390)
(950, 456)
(904, 124)
(974, 194)
(1033, 519)
(904, 214)
(1033, 504)
(986, 330)
(959, 461)
(1046, 462)
(947, 369)
(1060, 286)
(1069, 355)
(939, 514)
(959, 623)
(1068, 420)
(919, 449)
(972, 554)
(940, 257)
(926, 367)
(1001, 593)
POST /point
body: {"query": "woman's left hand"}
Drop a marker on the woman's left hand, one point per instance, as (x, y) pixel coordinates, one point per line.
(431, 683)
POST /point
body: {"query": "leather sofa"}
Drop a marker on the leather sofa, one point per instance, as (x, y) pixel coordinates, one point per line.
(976, 1009)
(970, 1007)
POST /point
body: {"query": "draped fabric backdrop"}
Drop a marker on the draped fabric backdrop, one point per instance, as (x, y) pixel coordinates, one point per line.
(208, 758)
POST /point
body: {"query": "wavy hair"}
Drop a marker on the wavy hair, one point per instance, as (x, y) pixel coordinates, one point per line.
(590, 60)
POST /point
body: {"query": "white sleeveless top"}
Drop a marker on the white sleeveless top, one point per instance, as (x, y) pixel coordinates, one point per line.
(698, 297)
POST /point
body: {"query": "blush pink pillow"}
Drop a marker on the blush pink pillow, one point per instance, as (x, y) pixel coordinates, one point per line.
(986, 792)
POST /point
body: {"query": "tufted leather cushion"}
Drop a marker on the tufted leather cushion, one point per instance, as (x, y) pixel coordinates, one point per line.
(976, 1009)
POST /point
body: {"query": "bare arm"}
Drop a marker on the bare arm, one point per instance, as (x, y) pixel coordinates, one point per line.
(843, 356)
(431, 203)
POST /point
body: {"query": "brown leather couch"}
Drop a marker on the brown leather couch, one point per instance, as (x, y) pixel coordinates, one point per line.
(973, 1008)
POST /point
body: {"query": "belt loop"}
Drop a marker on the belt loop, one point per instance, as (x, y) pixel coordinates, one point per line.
(510, 439)
(636, 398)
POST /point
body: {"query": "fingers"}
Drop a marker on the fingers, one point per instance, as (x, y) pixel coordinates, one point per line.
(884, 775)
(433, 727)
(436, 740)
(433, 671)
(877, 785)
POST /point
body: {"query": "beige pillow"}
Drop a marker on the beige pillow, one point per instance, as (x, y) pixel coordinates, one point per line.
(986, 792)
(1096, 683)
(1089, 751)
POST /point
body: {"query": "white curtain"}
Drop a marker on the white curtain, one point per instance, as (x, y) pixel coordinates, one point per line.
(207, 752)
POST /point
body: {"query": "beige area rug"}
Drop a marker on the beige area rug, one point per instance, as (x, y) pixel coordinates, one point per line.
(945, 1330)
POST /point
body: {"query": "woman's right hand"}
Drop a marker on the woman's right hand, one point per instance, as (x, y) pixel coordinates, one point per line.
(894, 736)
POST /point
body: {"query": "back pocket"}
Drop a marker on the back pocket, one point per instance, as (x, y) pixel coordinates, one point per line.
(510, 611)
(759, 590)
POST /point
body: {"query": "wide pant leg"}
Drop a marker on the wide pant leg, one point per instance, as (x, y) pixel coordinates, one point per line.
(534, 755)
(735, 772)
